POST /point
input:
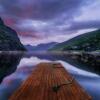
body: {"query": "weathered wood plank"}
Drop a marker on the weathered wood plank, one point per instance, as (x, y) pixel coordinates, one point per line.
(43, 82)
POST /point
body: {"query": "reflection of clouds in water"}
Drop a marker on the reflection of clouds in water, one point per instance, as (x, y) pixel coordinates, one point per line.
(31, 61)
(7, 89)
(78, 71)
(88, 80)
(26, 66)
(90, 84)
(13, 81)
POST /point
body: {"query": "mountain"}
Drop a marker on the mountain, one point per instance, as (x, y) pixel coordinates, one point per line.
(86, 42)
(40, 47)
(29, 47)
(9, 40)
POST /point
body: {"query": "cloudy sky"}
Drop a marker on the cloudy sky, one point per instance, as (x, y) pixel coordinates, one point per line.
(42, 21)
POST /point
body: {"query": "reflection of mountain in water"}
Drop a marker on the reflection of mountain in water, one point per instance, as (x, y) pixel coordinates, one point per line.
(8, 63)
(88, 62)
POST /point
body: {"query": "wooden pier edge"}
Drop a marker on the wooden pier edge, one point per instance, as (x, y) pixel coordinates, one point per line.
(50, 81)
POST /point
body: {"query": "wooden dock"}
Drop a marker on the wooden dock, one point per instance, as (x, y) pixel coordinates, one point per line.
(50, 82)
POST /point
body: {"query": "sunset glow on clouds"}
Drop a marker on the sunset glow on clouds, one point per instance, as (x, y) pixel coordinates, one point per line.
(41, 21)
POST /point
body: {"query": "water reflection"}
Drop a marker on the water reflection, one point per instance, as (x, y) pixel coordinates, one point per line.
(28, 63)
(8, 63)
(86, 61)
(13, 81)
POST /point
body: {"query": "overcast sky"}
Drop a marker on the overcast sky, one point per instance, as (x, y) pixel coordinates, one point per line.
(42, 21)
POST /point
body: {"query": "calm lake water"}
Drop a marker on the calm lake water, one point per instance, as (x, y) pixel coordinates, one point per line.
(16, 67)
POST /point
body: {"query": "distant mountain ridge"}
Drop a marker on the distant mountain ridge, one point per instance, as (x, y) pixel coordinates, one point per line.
(9, 40)
(40, 47)
(87, 42)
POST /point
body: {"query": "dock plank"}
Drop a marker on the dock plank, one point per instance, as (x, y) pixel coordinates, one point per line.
(41, 84)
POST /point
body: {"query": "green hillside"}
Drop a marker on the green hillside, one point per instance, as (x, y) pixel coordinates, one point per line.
(86, 42)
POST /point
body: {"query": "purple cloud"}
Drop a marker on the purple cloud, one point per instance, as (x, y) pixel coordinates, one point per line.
(40, 19)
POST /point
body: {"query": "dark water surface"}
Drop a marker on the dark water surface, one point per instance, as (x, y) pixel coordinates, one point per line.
(15, 67)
